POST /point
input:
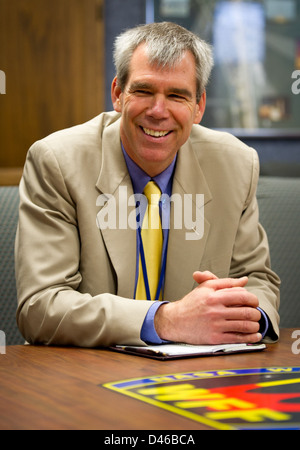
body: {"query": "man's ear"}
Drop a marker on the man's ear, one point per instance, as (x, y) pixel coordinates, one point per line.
(116, 95)
(200, 108)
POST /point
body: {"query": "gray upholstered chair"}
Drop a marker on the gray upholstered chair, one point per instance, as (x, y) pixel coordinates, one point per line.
(279, 203)
(9, 202)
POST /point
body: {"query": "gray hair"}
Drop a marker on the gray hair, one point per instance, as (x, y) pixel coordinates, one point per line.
(166, 44)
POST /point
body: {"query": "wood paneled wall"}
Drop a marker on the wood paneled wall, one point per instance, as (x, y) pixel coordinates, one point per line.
(52, 53)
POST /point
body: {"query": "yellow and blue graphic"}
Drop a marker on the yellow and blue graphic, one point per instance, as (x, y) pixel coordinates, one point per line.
(240, 399)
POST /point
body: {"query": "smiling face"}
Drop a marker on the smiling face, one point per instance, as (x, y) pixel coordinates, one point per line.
(158, 107)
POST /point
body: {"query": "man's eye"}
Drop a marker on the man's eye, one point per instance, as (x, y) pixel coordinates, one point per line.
(142, 92)
(176, 97)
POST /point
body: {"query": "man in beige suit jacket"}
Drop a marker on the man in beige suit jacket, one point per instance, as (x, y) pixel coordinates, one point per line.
(76, 273)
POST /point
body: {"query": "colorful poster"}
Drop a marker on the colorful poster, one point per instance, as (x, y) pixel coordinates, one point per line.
(239, 399)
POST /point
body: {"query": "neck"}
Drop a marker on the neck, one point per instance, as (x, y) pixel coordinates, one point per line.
(152, 169)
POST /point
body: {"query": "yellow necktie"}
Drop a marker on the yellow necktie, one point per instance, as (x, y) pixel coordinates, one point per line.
(152, 243)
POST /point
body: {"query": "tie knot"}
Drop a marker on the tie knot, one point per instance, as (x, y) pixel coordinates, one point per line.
(152, 192)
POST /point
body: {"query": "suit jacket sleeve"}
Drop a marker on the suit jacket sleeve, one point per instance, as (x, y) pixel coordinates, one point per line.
(51, 308)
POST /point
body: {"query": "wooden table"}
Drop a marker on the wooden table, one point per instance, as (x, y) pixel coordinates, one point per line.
(62, 388)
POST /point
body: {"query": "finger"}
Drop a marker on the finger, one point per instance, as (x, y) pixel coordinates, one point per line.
(236, 297)
(227, 283)
(240, 338)
(201, 277)
(242, 314)
(241, 327)
(233, 338)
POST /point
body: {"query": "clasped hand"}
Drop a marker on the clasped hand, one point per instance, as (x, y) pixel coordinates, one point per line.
(217, 311)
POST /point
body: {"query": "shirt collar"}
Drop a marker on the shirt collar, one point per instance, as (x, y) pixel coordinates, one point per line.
(140, 178)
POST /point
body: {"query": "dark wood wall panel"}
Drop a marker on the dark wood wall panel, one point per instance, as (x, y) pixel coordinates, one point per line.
(52, 53)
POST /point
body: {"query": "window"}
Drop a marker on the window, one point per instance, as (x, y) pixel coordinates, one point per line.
(253, 87)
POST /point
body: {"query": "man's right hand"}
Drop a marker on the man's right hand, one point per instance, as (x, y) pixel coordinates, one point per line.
(218, 311)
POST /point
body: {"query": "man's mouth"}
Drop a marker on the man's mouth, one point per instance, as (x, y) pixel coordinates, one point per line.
(155, 133)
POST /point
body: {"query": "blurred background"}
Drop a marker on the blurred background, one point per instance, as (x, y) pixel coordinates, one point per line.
(56, 56)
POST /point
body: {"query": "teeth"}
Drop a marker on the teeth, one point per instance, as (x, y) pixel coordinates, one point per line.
(155, 133)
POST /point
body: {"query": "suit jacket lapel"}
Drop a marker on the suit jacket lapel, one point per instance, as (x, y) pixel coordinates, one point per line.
(185, 251)
(115, 187)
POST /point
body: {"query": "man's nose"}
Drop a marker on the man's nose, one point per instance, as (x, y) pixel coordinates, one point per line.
(158, 108)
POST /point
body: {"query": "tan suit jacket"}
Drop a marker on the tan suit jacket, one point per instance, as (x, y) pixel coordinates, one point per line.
(76, 281)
